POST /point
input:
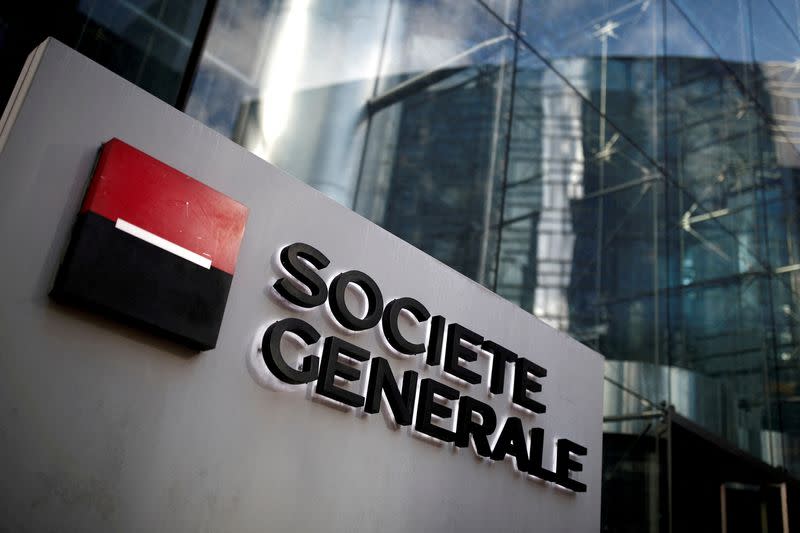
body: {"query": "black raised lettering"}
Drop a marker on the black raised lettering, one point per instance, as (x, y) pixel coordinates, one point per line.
(332, 367)
(380, 381)
(435, 341)
(427, 406)
(391, 328)
(480, 431)
(511, 441)
(291, 257)
(339, 306)
(500, 356)
(536, 455)
(566, 464)
(271, 351)
(454, 353)
(523, 383)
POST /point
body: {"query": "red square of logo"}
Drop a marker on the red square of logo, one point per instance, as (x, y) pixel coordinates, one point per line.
(153, 246)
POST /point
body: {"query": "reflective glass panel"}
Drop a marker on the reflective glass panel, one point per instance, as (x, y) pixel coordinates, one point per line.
(148, 42)
(438, 124)
(290, 80)
(607, 51)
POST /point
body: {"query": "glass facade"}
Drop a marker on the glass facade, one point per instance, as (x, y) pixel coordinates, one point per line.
(626, 170)
(148, 42)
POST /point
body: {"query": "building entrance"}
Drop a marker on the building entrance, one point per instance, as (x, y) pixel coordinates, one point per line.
(672, 475)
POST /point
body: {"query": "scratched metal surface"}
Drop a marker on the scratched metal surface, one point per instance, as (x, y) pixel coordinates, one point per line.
(106, 428)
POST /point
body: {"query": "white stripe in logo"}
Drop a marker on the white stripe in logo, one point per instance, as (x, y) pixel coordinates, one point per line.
(162, 243)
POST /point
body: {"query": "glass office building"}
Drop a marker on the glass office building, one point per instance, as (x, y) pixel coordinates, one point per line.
(626, 170)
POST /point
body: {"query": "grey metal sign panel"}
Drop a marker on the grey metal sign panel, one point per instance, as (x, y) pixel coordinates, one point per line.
(109, 428)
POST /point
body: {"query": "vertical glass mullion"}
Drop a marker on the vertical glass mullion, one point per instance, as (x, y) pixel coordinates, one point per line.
(507, 146)
(770, 350)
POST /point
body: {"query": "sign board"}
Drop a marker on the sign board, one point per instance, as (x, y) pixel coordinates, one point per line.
(356, 383)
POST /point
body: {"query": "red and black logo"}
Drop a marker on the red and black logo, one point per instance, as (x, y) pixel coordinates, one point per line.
(154, 246)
